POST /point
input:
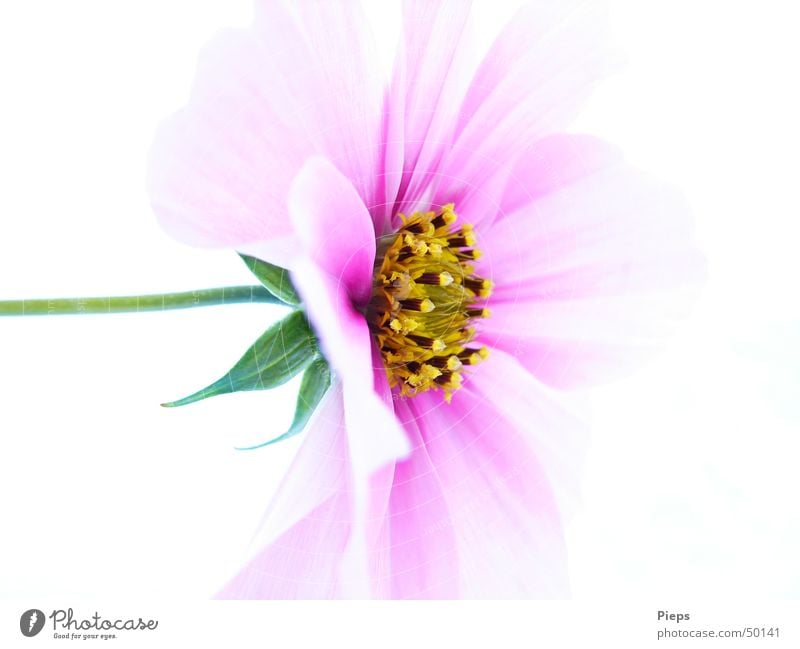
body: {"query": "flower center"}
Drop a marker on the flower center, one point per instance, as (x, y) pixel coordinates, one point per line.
(424, 299)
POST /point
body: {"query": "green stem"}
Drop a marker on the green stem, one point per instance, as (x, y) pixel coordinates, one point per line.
(137, 303)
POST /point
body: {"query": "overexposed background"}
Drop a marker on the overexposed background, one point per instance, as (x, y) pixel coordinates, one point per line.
(691, 484)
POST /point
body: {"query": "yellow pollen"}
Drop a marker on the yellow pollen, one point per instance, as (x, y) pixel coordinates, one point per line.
(426, 298)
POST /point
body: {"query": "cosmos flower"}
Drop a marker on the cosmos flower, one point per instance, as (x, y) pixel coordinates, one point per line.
(467, 266)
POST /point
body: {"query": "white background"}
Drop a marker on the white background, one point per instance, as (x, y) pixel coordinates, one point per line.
(691, 487)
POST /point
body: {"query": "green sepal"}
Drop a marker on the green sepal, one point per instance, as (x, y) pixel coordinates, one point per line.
(274, 278)
(316, 381)
(282, 352)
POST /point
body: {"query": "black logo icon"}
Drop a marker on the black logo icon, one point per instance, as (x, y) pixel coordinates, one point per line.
(31, 622)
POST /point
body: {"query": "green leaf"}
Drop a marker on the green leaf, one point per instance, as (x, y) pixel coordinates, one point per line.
(274, 278)
(315, 384)
(281, 353)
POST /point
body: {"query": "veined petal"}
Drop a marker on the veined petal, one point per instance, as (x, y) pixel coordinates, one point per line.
(553, 423)
(334, 226)
(300, 81)
(301, 545)
(554, 162)
(375, 438)
(333, 276)
(501, 514)
(421, 540)
(470, 513)
(534, 80)
(308, 507)
(595, 271)
(431, 74)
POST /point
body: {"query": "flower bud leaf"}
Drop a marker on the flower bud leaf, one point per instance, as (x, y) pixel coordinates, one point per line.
(316, 381)
(274, 278)
(282, 352)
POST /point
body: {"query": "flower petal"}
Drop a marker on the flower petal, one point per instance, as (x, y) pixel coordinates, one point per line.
(310, 497)
(334, 227)
(470, 513)
(500, 512)
(431, 74)
(333, 276)
(422, 544)
(554, 423)
(339, 247)
(300, 81)
(375, 438)
(595, 271)
(302, 542)
(534, 80)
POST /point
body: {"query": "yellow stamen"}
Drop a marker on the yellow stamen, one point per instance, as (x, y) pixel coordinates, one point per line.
(425, 299)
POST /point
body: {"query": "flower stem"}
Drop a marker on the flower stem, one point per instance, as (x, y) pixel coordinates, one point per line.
(137, 303)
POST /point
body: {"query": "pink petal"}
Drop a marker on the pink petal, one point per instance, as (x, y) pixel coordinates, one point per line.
(553, 423)
(338, 244)
(374, 436)
(333, 276)
(303, 532)
(432, 70)
(470, 513)
(534, 80)
(499, 523)
(390, 169)
(375, 439)
(554, 162)
(300, 547)
(300, 81)
(334, 227)
(595, 271)
(421, 541)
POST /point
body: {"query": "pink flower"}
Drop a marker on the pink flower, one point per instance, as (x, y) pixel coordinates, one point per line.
(294, 150)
